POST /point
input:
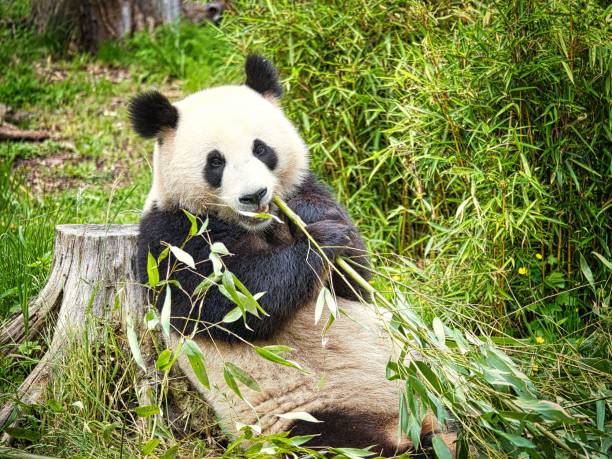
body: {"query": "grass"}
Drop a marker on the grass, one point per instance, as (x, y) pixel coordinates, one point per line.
(470, 142)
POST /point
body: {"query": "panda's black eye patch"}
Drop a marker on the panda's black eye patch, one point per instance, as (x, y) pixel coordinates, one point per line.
(213, 171)
(265, 154)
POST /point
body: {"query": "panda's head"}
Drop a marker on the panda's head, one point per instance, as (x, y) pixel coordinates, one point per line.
(225, 150)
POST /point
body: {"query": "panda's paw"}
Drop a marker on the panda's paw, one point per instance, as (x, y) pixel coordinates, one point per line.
(334, 236)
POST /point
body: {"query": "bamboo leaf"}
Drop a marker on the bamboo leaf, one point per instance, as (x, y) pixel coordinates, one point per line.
(279, 348)
(299, 415)
(319, 305)
(243, 377)
(231, 382)
(163, 360)
(233, 315)
(229, 290)
(568, 71)
(147, 410)
(250, 300)
(217, 264)
(330, 302)
(219, 248)
(586, 270)
(547, 409)
(170, 453)
(600, 406)
(150, 445)
(194, 223)
(438, 327)
(442, 451)
(604, 260)
(525, 163)
(352, 453)
(260, 215)
(196, 359)
(166, 313)
(151, 318)
(516, 440)
(182, 256)
(203, 227)
(21, 433)
(133, 343)
(271, 353)
(300, 440)
(206, 283)
(152, 270)
(163, 255)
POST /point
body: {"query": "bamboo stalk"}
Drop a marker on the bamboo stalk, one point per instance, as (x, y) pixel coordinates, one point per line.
(347, 269)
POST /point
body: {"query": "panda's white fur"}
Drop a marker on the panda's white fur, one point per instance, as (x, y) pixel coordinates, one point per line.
(345, 365)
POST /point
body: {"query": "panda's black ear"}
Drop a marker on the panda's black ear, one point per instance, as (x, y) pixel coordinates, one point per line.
(151, 112)
(262, 76)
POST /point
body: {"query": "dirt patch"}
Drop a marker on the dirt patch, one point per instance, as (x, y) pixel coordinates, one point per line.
(57, 71)
(108, 72)
(48, 174)
(44, 175)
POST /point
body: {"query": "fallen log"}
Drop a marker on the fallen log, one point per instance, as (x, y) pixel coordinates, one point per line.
(93, 275)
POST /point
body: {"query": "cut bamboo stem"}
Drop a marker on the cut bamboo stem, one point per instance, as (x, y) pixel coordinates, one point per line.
(339, 262)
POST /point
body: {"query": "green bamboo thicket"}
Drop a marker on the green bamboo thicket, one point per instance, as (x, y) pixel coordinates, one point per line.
(472, 138)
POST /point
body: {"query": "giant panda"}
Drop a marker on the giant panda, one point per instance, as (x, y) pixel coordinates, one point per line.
(225, 151)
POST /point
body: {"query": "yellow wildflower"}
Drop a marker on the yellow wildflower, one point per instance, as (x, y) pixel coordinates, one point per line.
(539, 256)
(396, 278)
(522, 270)
(539, 340)
(535, 368)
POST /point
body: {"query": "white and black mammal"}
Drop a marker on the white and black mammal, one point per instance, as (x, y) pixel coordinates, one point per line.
(227, 150)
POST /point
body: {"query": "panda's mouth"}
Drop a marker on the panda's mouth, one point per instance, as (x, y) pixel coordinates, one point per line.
(256, 212)
(263, 216)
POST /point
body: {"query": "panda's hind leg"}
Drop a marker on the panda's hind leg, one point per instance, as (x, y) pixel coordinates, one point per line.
(356, 430)
(431, 428)
(363, 430)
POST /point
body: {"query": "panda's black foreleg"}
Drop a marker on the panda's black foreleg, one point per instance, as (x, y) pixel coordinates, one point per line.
(315, 203)
(290, 273)
(290, 276)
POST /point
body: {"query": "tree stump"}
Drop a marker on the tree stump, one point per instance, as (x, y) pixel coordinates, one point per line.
(93, 275)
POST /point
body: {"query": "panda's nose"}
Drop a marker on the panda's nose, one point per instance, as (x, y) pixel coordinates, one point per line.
(253, 198)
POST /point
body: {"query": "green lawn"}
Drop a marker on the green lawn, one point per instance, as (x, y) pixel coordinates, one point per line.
(471, 143)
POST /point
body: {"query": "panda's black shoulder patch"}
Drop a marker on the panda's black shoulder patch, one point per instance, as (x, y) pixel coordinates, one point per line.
(151, 112)
(262, 76)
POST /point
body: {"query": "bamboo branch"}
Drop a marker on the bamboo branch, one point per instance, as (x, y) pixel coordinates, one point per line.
(297, 221)
(340, 262)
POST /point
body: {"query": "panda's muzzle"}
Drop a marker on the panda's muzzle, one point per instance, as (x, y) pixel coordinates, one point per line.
(255, 199)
